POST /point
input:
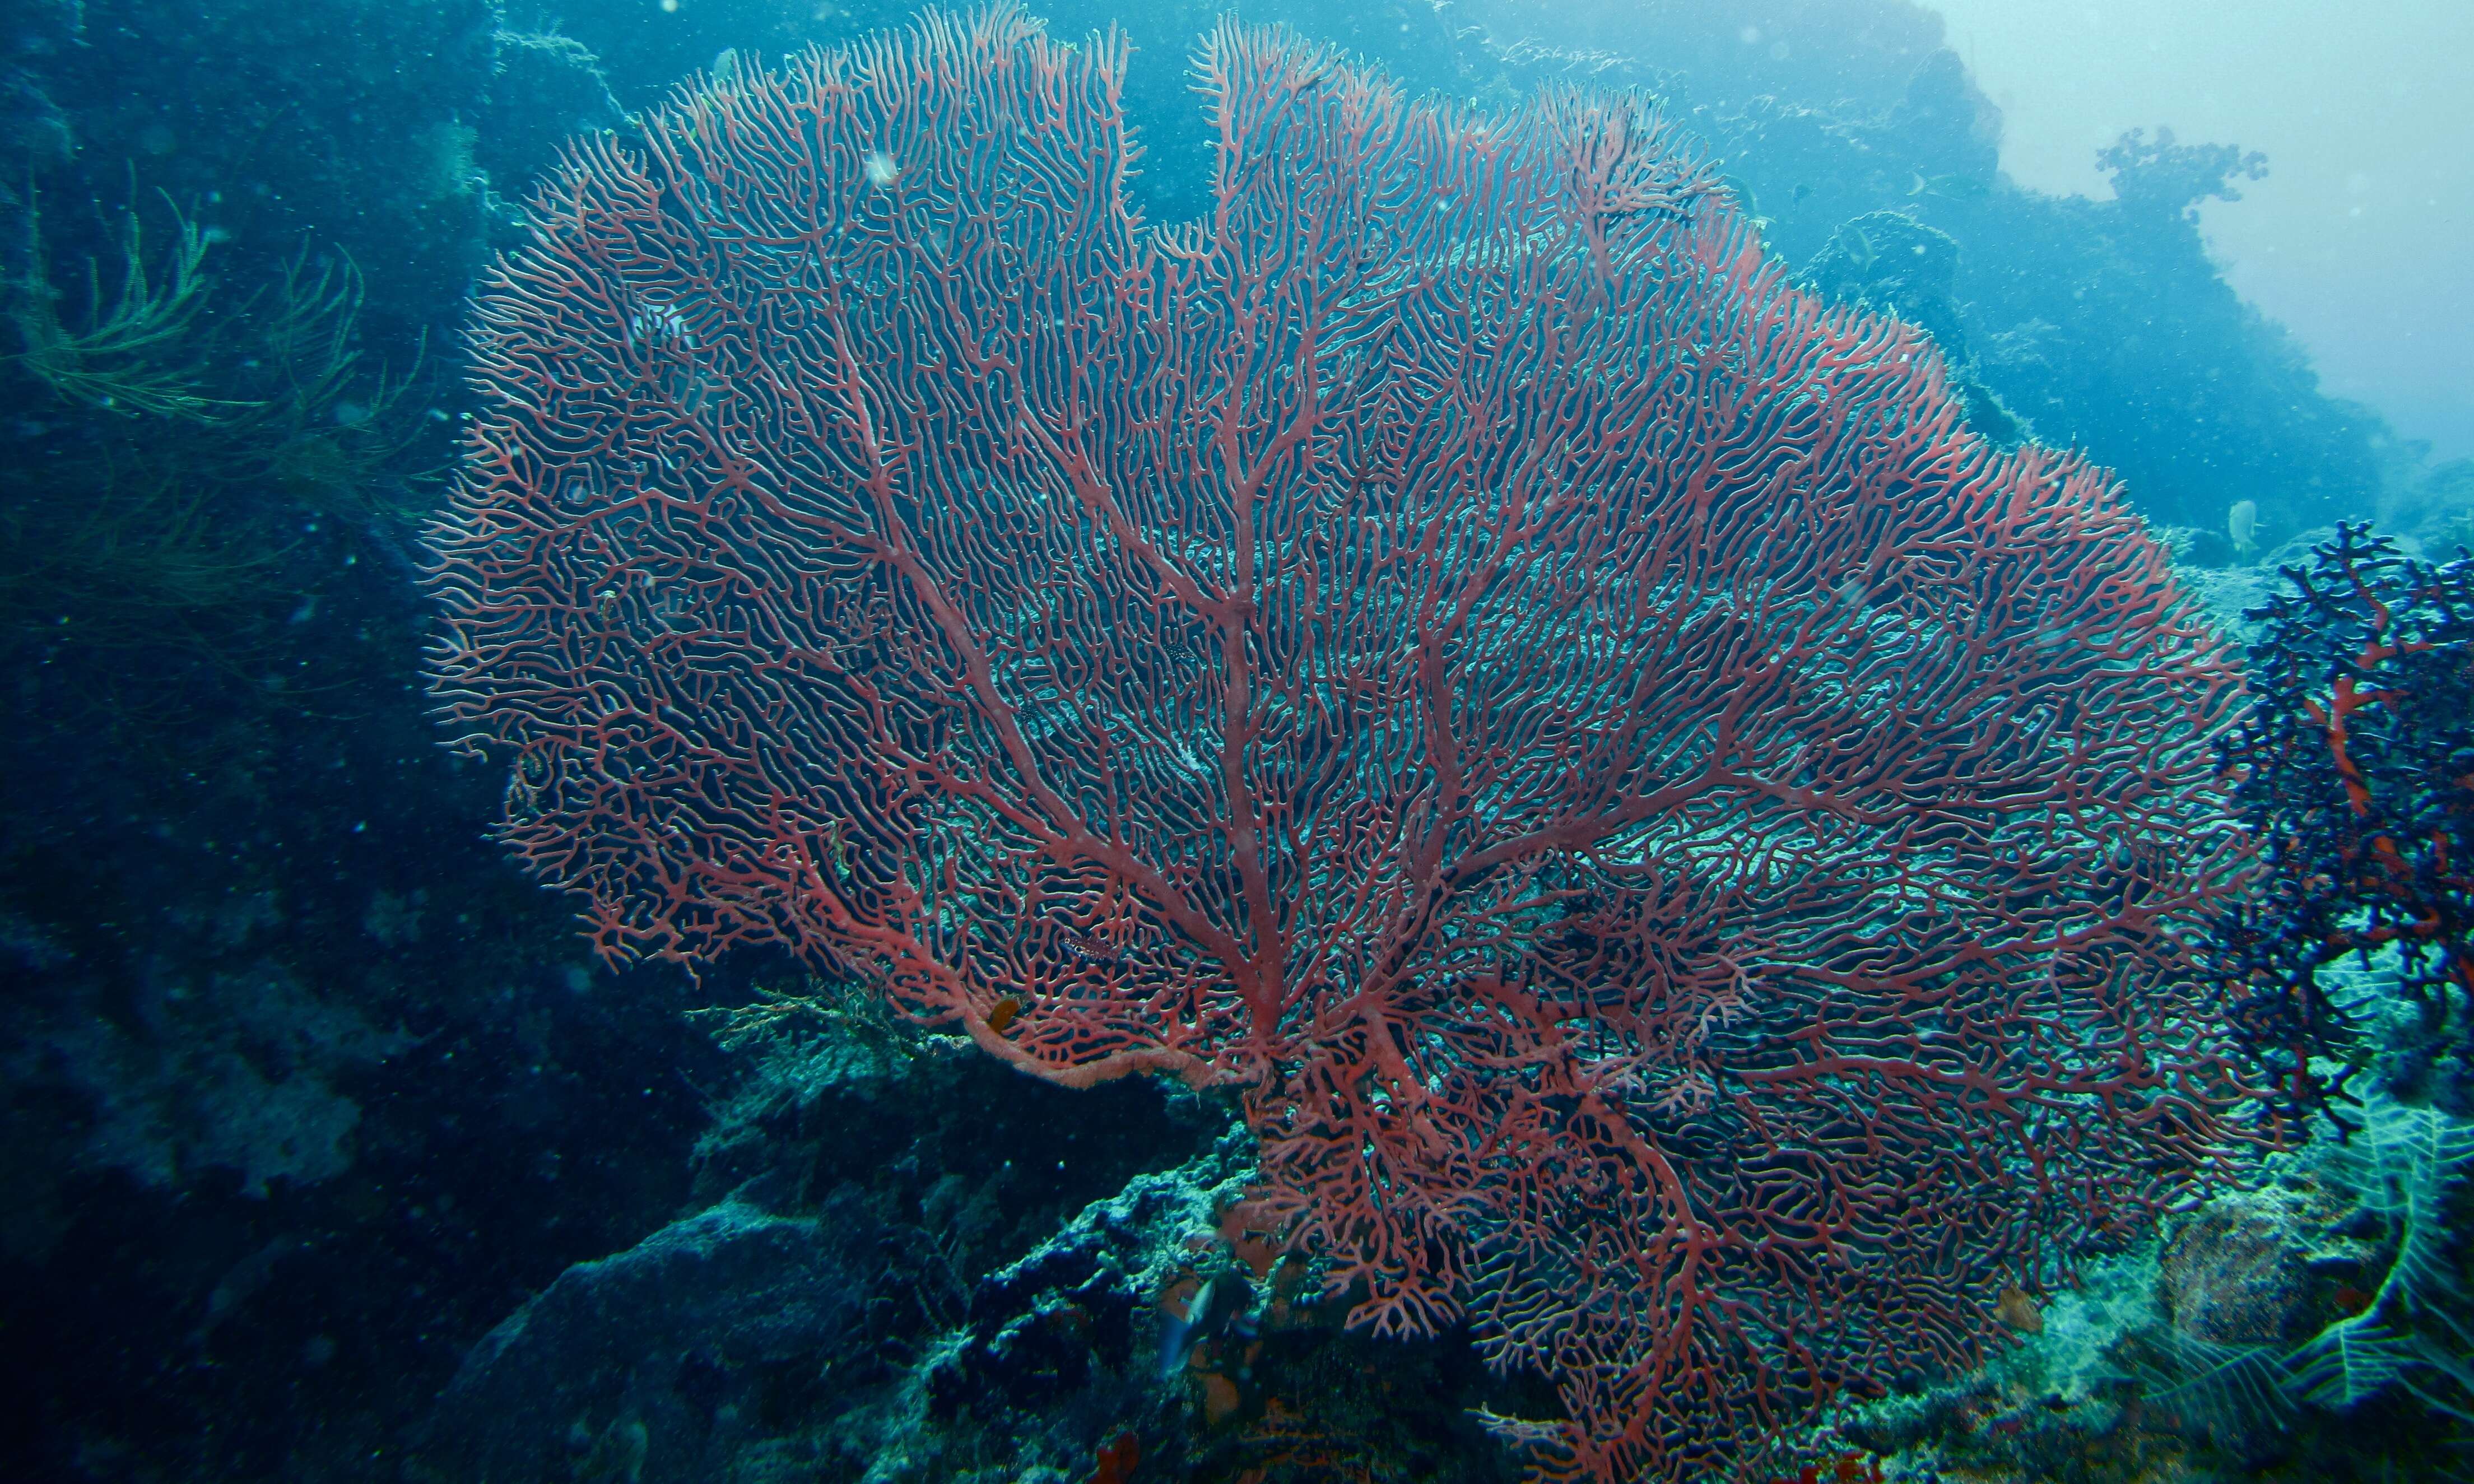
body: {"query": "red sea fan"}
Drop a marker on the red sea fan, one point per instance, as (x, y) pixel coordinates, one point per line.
(1682, 844)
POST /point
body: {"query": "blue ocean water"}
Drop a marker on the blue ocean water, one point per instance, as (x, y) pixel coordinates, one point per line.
(1557, 741)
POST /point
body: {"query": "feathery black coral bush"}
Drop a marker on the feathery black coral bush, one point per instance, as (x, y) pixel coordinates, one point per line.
(2357, 764)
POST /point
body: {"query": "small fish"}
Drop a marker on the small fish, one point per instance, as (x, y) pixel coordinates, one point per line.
(1117, 1460)
(1004, 1012)
(1956, 188)
(2241, 524)
(2019, 1311)
(1179, 1333)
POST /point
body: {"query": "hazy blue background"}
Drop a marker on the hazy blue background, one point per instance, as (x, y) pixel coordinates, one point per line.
(2357, 240)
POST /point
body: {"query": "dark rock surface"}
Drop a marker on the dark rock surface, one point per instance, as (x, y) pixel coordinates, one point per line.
(2236, 1272)
(665, 1361)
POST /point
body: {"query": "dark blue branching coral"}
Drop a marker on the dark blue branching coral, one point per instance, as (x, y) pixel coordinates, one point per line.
(2356, 761)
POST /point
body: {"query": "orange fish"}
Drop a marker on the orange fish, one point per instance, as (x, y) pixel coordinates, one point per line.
(1117, 1460)
(2019, 1311)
